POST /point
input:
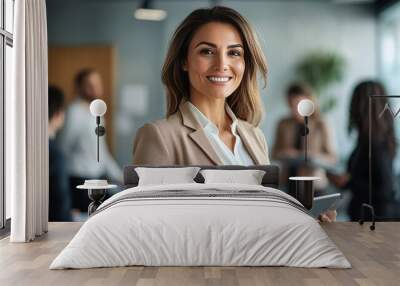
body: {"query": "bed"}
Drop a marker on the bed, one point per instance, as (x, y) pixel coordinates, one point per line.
(201, 224)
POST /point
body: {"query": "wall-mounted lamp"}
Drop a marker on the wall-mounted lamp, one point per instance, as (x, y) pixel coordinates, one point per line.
(147, 13)
(98, 108)
(305, 109)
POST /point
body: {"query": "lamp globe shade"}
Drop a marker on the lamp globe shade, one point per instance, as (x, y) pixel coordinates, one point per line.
(98, 107)
(305, 107)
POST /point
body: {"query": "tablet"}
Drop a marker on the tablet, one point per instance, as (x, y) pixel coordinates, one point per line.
(323, 203)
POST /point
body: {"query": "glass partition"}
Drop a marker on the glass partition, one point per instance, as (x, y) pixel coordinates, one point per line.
(383, 157)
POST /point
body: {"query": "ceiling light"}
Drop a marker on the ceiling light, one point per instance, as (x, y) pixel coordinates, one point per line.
(147, 13)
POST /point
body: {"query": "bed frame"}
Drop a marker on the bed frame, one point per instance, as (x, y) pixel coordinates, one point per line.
(270, 179)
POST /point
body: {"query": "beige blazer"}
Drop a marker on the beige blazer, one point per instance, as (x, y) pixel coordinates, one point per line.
(180, 140)
(319, 139)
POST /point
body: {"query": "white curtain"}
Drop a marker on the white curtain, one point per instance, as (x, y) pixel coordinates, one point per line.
(27, 116)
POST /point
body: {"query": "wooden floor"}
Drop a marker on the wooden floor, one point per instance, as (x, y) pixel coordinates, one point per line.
(375, 256)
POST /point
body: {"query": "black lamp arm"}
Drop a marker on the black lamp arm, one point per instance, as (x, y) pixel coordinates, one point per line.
(100, 131)
(305, 138)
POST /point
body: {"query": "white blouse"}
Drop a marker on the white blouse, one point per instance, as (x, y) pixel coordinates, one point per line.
(239, 156)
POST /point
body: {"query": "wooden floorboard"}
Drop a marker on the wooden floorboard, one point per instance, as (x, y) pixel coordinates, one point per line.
(374, 255)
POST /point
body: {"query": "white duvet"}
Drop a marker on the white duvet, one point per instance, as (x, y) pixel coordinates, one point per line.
(189, 230)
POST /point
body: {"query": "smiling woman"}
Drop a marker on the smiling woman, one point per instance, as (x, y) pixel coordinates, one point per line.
(213, 102)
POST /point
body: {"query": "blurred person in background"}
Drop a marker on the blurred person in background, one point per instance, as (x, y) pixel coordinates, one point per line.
(383, 151)
(289, 141)
(59, 189)
(79, 140)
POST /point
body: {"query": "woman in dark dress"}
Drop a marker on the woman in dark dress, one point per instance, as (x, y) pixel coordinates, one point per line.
(383, 150)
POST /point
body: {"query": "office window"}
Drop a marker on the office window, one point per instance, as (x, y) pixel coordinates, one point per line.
(389, 47)
(6, 65)
(9, 15)
(8, 72)
(389, 64)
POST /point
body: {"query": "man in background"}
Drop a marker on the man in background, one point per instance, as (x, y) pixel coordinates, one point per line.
(79, 140)
(59, 191)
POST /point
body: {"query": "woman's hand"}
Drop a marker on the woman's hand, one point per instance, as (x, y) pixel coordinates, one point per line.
(339, 181)
(328, 216)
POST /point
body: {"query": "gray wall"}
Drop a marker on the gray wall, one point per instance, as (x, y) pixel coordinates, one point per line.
(288, 30)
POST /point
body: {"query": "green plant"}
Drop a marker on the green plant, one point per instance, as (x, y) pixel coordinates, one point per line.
(320, 69)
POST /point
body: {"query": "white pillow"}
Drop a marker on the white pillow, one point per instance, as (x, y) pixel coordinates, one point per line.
(163, 176)
(248, 177)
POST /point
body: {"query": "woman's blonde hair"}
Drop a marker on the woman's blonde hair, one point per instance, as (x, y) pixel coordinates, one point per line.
(245, 101)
